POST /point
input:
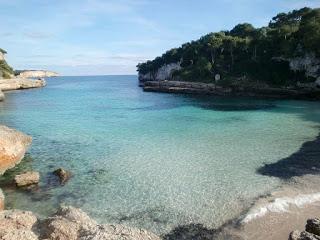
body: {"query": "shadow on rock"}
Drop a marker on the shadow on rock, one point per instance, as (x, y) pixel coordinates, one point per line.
(305, 161)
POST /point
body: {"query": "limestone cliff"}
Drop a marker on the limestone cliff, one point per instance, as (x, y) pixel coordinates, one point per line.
(36, 73)
(163, 73)
(309, 64)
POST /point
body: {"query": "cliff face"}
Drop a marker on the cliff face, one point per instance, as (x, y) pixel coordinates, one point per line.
(308, 64)
(163, 73)
(37, 74)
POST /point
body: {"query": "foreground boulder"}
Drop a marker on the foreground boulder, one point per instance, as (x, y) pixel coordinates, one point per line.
(13, 146)
(64, 175)
(17, 225)
(68, 223)
(312, 231)
(313, 226)
(27, 179)
(71, 223)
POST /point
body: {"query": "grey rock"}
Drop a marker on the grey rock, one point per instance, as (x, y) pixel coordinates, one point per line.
(313, 226)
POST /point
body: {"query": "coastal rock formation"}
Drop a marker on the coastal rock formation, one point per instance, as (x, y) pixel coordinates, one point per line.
(36, 74)
(68, 223)
(20, 83)
(211, 88)
(13, 146)
(163, 73)
(26, 179)
(63, 175)
(308, 64)
(312, 231)
(1, 96)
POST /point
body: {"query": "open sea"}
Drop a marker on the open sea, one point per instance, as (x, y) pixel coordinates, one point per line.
(152, 160)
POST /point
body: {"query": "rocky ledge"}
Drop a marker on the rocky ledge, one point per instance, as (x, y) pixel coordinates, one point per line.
(13, 146)
(19, 83)
(68, 223)
(36, 73)
(212, 89)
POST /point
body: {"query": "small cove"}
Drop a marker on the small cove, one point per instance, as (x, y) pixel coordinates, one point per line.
(153, 160)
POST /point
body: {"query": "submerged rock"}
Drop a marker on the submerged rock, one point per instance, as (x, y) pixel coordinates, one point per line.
(63, 175)
(13, 146)
(26, 179)
(2, 199)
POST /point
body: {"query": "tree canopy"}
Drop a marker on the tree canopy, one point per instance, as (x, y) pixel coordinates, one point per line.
(246, 51)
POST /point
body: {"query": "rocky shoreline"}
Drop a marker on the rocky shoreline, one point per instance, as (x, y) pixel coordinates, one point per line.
(213, 89)
(18, 84)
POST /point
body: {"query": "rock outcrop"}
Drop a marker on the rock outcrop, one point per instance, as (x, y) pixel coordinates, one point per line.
(308, 64)
(68, 223)
(36, 74)
(26, 179)
(163, 73)
(312, 231)
(13, 146)
(20, 83)
(211, 88)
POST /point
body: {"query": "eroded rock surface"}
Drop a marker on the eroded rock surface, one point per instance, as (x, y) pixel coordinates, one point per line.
(71, 223)
(68, 223)
(26, 179)
(20, 83)
(13, 146)
(17, 225)
(37, 74)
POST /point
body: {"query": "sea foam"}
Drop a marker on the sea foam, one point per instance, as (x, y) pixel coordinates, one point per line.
(280, 205)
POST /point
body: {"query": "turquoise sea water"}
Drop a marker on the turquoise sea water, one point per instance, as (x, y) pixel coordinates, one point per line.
(151, 160)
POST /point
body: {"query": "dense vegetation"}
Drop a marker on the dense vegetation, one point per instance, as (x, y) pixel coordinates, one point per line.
(5, 70)
(246, 52)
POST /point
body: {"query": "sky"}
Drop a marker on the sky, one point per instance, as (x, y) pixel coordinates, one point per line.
(100, 37)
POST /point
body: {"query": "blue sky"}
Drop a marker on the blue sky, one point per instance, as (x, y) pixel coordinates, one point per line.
(94, 37)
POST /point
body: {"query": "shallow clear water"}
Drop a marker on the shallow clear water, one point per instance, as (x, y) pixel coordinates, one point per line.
(152, 160)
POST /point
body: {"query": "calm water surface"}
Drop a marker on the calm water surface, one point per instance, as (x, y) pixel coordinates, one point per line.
(148, 159)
